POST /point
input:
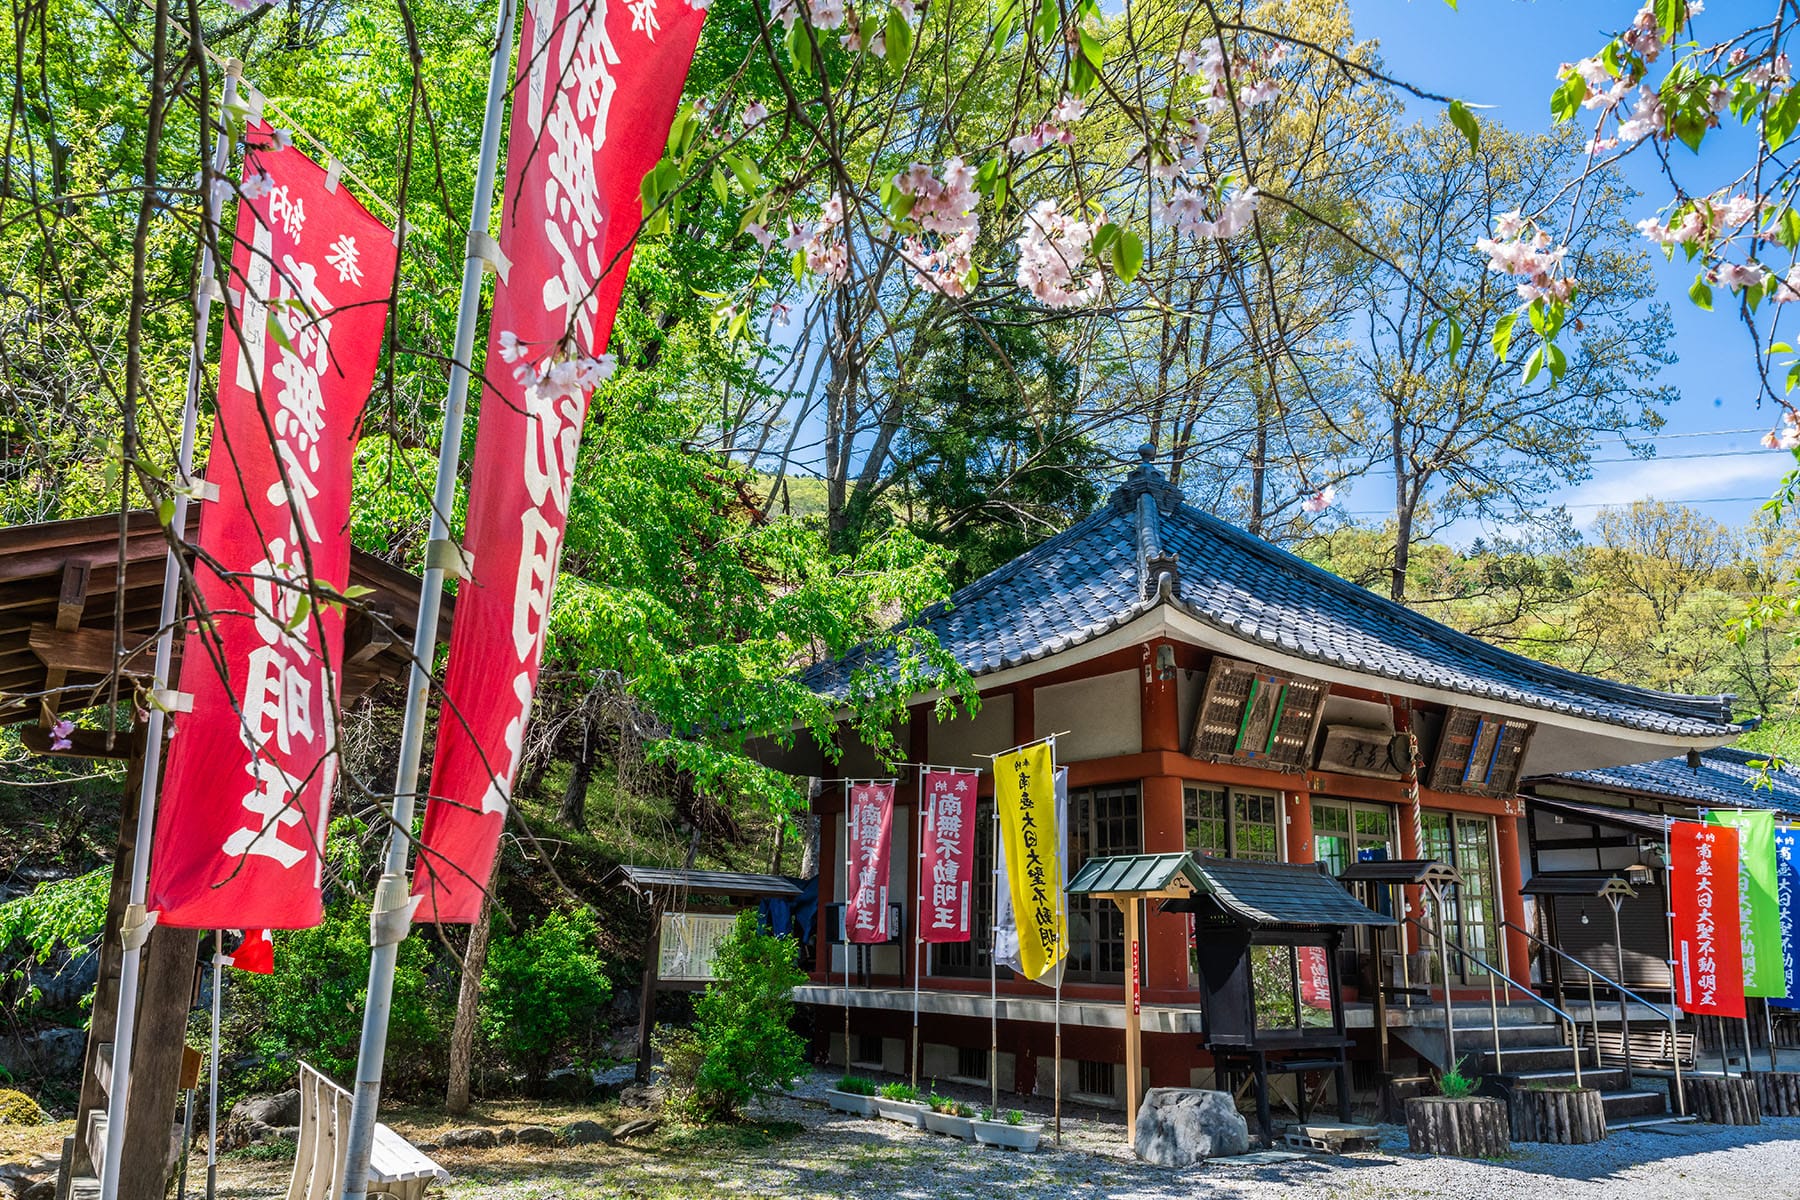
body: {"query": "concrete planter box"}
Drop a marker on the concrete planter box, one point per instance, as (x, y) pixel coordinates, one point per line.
(950, 1125)
(1023, 1138)
(853, 1103)
(906, 1112)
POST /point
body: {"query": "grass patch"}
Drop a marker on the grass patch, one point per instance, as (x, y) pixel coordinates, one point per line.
(275, 1149)
(736, 1135)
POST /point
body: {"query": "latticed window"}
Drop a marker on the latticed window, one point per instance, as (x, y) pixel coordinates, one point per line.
(1103, 822)
(1232, 824)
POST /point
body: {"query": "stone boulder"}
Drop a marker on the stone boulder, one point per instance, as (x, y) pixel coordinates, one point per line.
(1177, 1127)
(536, 1135)
(472, 1138)
(584, 1133)
(278, 1109)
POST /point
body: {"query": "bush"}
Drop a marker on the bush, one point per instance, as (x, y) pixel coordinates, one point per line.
(856, 1085)
(1455, 1085)
(544, 993)
(741, 1023)
(16, 1108)
(903, 1092)
(312, 1007)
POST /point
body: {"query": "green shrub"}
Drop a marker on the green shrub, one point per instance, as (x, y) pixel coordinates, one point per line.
(16, 1108)
(544, 993)
(741, 1022)
(1455, 1085)
(856, 1085)
(681, 1054)
(904, 1092)
(1015, 1117)
(312, 1007)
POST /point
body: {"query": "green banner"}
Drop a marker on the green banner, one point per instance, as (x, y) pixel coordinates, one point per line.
(1759, 912)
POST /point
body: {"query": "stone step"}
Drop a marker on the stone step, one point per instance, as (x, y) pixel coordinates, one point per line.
(1627, 1106)
(84, 1187)
(1607, 1081)
(96, 1138)
(1519, 1060)
(1649, 1123)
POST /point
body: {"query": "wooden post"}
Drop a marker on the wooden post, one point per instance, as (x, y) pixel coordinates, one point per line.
(165, 993)
(1133, 1020)
(647, 1005)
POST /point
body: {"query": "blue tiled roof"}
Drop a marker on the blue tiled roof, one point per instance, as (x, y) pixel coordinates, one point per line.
(1148, 547)
(1725, 780)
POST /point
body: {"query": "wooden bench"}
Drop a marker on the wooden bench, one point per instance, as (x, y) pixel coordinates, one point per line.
(1649, 1047)
(396, 1167)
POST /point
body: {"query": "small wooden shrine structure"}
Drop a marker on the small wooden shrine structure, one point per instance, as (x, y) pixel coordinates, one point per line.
(1266, 938)
(689, 913)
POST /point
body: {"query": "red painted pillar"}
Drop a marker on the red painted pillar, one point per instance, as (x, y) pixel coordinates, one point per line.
(1512, 901)
(1165, 934)
(1299, 827)
(1410, 849)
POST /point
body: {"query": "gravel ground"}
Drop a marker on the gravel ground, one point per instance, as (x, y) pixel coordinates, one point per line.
(796, 1147)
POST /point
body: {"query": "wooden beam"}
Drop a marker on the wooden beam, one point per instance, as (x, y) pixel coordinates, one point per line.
(1134, 1034)
(83, 743)
(71, 602)
(87, 651)
(367, 635)
(165, 992)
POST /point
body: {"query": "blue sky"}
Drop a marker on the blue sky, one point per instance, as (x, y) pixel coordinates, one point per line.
(1504, 54)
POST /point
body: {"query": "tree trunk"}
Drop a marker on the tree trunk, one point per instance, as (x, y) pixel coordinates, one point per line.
(1403, 517)
(1472, 1128)
(468, 1005)
(1724, 1100)
(1780, 1093)
(573, 812)
(1565, 1116)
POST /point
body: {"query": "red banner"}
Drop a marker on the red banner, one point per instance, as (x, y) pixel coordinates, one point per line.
(870, 828)
(597, 89)
(1703, 888)
(247, 787)
(947, 857)
(256, 953)
(1314, 967)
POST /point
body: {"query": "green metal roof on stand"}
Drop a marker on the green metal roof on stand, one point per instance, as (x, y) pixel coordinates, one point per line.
(1136, 873)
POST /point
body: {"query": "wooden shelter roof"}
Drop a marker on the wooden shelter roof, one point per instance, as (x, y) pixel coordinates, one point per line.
(1263, 895)
(730, 884)
(60, 582)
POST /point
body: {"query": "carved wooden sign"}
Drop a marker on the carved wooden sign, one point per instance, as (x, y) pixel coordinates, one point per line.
(1480, 753)
(1357, 750)
(1251, 715)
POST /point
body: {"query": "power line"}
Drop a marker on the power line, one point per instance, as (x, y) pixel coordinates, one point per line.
(1385, 512)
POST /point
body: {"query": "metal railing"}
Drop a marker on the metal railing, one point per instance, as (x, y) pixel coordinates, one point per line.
(1496, 977)
(1670, 1014)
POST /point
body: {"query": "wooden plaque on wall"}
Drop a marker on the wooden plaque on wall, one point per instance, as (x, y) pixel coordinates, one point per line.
(1480, 753)
(1251, 715)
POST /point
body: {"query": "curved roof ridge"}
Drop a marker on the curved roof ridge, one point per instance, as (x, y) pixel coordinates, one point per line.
(1707, 706)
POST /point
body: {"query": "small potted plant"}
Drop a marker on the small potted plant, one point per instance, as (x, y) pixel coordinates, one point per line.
(1010, 1132)
(1456, 1121)
(947, 1116)
(900, 1102)
(853, 1094)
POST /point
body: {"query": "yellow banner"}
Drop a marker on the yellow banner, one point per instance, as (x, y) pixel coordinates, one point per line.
(1025, 791)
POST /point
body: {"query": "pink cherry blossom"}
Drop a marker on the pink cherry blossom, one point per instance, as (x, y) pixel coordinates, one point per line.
(511, 348)
(1789, 289)
(1052, 257)
(1253, 94)
(754, 114)
(1738, 276)
(763, 236)
(1785, 436)
(257, 186)
(1276, 56)
(1070, 110)
(1647, 118)
(282, 138)
(61, 734)
(1320, 500)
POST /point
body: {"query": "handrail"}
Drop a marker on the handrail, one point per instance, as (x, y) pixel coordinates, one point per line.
(1494, 971)
(1610, 982)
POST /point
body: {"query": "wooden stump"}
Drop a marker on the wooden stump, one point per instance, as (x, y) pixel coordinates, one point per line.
(1724, 1100)
(1780, 1093)
(1566, 1116)
(1472, 1128)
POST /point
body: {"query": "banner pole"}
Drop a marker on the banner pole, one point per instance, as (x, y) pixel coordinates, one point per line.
(994, 972)
(849, 886)
(212, 1073)
(134, 927)
(1769, 1023)
(391, 919)
(918, 918)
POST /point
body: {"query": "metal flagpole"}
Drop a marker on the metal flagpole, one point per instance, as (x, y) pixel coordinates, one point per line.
(994, 970)
(134, 927)
(849, 886)
(918, 918)
(212, 1073)
(391, 919)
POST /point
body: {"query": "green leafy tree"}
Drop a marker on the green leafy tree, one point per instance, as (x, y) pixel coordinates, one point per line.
(742, 1020)
(544, 992)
